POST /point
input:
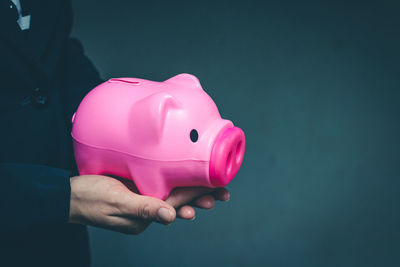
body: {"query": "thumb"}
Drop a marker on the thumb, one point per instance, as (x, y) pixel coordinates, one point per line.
(153, 209)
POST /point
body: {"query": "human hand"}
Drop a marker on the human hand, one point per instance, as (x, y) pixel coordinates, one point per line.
(184, 199)
(109, 203)
(106, 202)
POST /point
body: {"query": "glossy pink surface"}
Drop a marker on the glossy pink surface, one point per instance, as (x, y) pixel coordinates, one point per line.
(140, 130)
(227, 156)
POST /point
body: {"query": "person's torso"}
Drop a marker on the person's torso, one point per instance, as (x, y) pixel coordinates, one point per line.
(33, 130)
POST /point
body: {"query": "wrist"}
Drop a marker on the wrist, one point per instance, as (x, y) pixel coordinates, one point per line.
(74, 214)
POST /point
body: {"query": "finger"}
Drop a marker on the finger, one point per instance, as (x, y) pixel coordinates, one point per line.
(186, 212)
(147, 208)
(183, 195)
(205, 202)
(222, 194)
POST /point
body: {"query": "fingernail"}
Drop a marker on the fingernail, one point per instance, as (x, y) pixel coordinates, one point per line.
(193, 218)
(226, 197)
(208, 204)
(165, 215)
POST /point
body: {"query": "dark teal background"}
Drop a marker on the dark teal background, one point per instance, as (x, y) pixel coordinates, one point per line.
(316, 87)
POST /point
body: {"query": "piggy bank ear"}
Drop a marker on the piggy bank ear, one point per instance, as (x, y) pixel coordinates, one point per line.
(185, 79)
(149, 115)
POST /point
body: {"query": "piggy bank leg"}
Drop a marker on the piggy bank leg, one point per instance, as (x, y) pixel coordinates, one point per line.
(149, 182)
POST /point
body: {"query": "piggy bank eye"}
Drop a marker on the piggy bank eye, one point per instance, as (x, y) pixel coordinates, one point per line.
(194, 135)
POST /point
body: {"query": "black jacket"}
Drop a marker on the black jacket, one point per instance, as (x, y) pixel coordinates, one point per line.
(44, 75)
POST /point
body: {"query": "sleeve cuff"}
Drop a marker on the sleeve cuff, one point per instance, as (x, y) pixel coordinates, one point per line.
(34, 194)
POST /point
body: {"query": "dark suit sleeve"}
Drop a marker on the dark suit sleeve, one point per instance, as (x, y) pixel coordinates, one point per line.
(29, 192)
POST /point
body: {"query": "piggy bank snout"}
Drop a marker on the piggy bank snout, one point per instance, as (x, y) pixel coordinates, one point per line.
(226, 156)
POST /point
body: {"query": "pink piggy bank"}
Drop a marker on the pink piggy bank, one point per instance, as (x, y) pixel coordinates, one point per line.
(161, 135)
